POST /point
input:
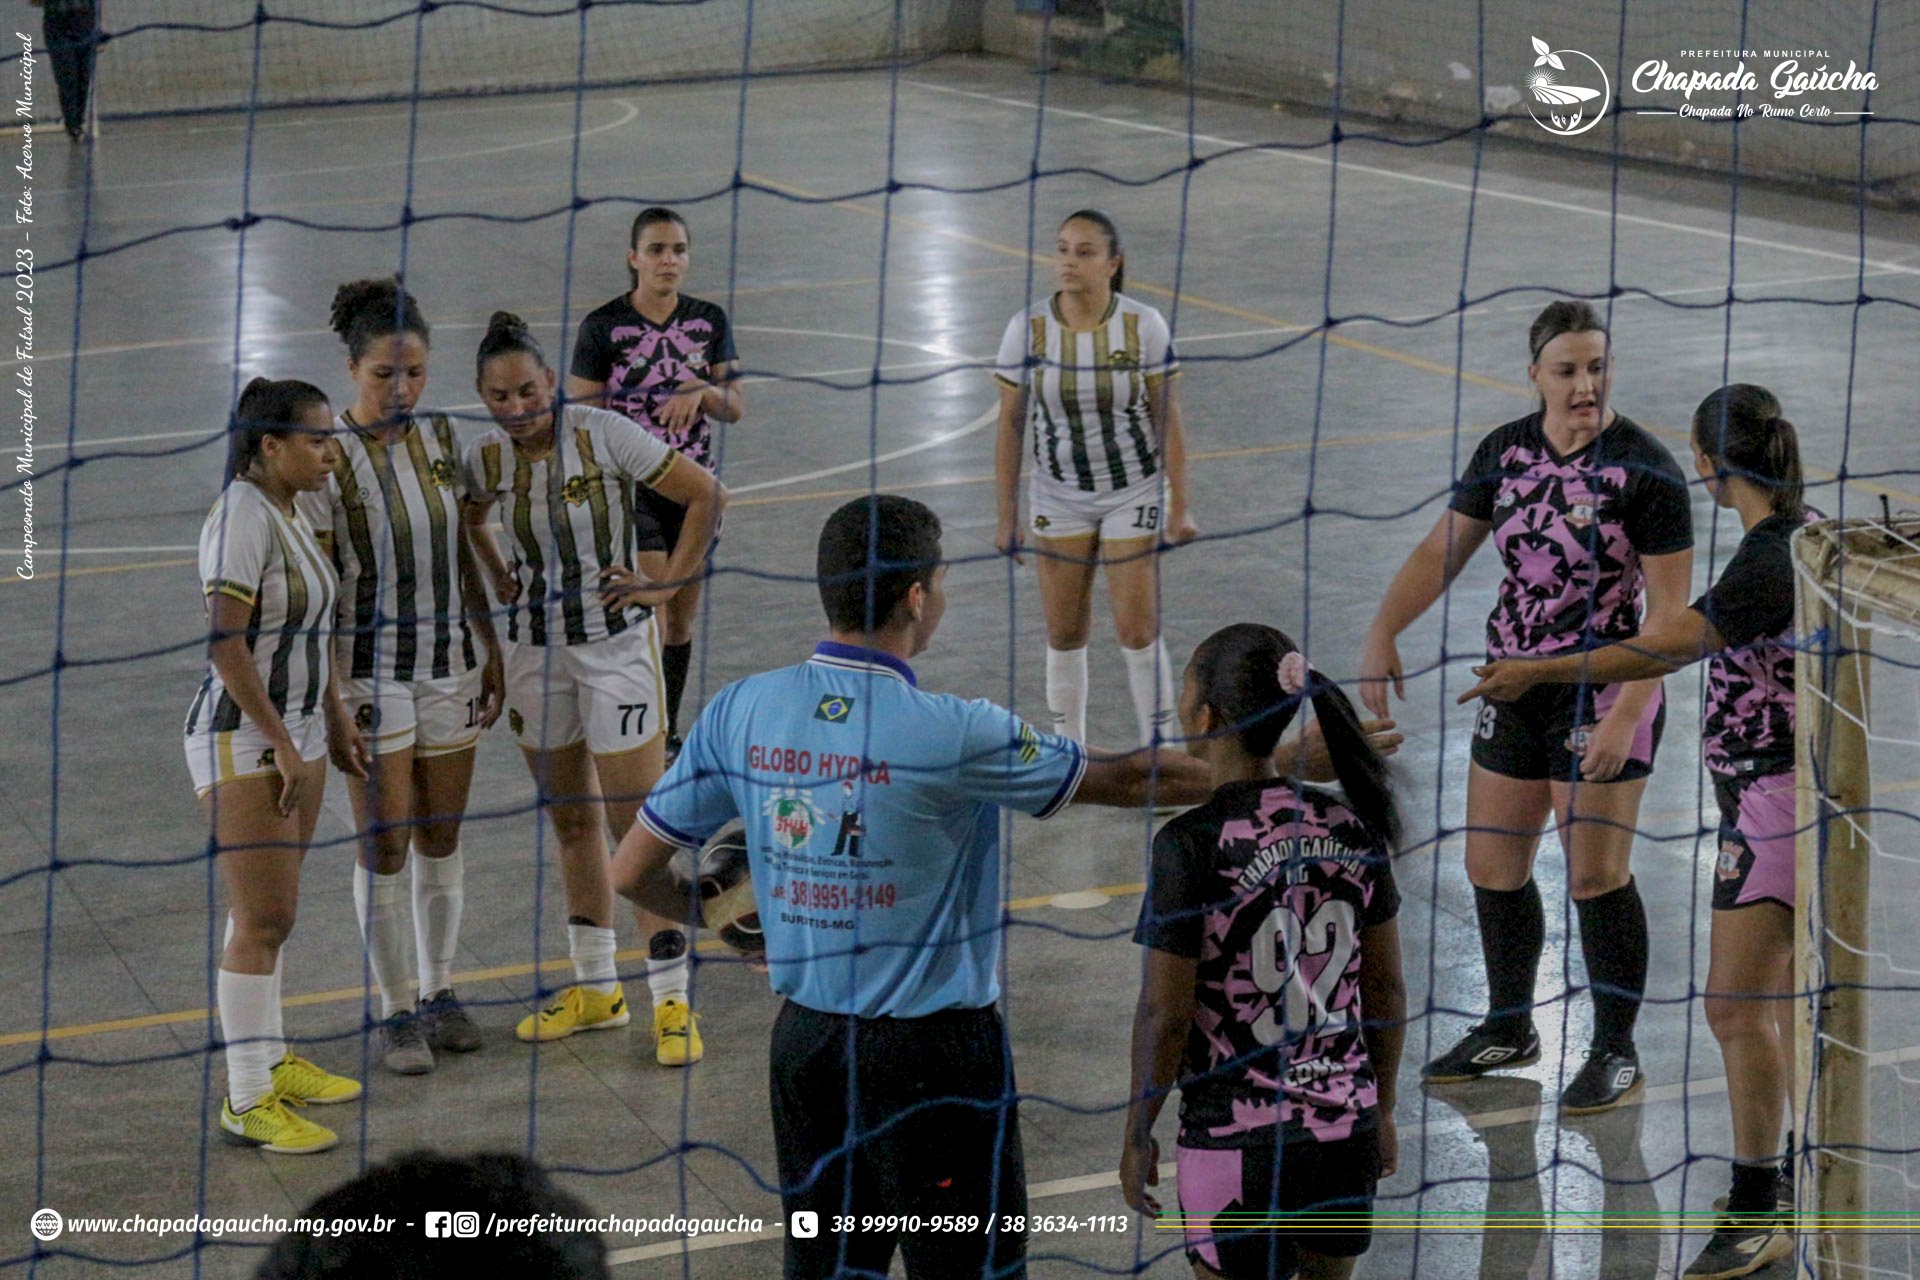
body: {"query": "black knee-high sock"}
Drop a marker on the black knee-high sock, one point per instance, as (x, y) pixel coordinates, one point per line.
(1513, 928)
(676, 658)
(1613, 934)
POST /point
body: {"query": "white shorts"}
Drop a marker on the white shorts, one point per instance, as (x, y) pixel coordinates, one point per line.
(214, 758)
(606, 692)
(434, 717)
(1056, 510)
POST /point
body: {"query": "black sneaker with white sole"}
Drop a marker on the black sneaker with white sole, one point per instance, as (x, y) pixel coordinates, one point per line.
(1741, 1245)
(1486, 1047)
(1603, 1083)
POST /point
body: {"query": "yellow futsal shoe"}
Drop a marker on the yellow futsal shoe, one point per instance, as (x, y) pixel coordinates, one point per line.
(298, 1080)
(676, 1035)
(576, 1009)
(272, 1125)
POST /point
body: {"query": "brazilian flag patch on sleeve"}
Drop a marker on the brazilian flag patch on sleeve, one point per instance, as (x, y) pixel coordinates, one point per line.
(834, 708)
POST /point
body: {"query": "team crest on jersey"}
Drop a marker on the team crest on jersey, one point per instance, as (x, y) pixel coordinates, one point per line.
(1123, 360)
(442, 472)
(1580, 515)
(363, 493)
(367, 718)
(1507, 499)
(834, 708)
(794, 817)
(574, 490)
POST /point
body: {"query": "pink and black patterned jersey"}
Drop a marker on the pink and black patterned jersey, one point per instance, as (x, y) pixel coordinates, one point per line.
(643, 363)
(1572, 531)
(1748, 724)
(1270, 886)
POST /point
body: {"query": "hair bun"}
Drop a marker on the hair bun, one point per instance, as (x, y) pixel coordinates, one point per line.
(506, 321)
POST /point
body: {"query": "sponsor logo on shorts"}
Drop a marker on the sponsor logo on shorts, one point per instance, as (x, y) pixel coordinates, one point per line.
(516, 722)
(442, 472)
(1728, 864)
(266, 760)
(834, 708)
(1041, 522)
(367, 717)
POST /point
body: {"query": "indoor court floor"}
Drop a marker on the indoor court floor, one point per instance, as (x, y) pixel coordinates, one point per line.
(830, 276)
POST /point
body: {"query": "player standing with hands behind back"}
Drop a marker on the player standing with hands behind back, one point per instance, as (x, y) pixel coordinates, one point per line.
(1587, 510)
(667, 361)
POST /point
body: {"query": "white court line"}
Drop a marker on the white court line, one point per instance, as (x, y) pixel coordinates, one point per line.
(1349, 166)
(1449, 1123)
(628, 113)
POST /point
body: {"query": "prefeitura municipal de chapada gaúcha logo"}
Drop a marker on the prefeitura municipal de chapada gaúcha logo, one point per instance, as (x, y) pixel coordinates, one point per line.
(1569, 104)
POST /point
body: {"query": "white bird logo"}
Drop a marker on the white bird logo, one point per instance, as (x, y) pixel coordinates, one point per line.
(1556, 95)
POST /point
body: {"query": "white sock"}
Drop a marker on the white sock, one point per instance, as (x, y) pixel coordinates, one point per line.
(1150, 676)
(1067, 691)
(592, 951)
(439, 894)
(668, 979)
(248, 1007)
(376, 900)
(276, 1032)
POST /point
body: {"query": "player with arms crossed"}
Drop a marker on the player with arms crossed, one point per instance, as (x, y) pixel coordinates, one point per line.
(1094, 370)
(413, 678)
(887, 953)
(1749, 456)
(666, 360)
(257, 738)
(1586, 510)
(583, 669)
(1287, 1092)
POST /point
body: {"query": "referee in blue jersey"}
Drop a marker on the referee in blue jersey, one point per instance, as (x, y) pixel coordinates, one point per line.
(887, 945)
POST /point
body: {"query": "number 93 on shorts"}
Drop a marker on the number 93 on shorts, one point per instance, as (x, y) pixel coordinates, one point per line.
(606, 693)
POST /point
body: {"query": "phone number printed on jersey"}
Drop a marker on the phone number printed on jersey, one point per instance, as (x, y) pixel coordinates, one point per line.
(827, 896)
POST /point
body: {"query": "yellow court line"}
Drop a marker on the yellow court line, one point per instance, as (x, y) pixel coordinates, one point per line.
(340, 995)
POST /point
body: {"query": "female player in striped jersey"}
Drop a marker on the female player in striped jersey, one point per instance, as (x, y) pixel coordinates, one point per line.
(1272, 985)
(583, 662)
(1094, 370)
(257, 737)
(1749, 456)
(411, 674)
(666, 360)
(1587, 511)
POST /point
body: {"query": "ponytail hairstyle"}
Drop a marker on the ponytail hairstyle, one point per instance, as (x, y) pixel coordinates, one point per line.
(506, 334)
(1741, 431)
(1568, 315)
(651, 217)
(1237, 671)
(266, 408)
(368, 310)
(1112, 233)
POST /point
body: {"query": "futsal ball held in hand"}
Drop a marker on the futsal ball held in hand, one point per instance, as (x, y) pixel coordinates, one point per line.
(727, 907)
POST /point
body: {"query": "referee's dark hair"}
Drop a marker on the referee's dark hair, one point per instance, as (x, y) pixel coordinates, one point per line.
(1237, 670)
(266, 408)
(421, 1194)
(872, 551)
(1742, 429)
(649, 217)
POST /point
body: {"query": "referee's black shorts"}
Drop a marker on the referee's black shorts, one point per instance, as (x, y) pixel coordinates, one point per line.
(936, 1134)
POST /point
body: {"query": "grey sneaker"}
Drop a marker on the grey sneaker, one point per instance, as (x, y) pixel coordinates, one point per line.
(447, 1024)
(403, 1045)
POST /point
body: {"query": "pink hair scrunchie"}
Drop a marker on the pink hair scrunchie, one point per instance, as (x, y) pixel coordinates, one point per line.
(1293, 673)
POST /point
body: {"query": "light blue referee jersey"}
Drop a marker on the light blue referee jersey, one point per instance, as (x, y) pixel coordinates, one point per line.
(873, 820)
